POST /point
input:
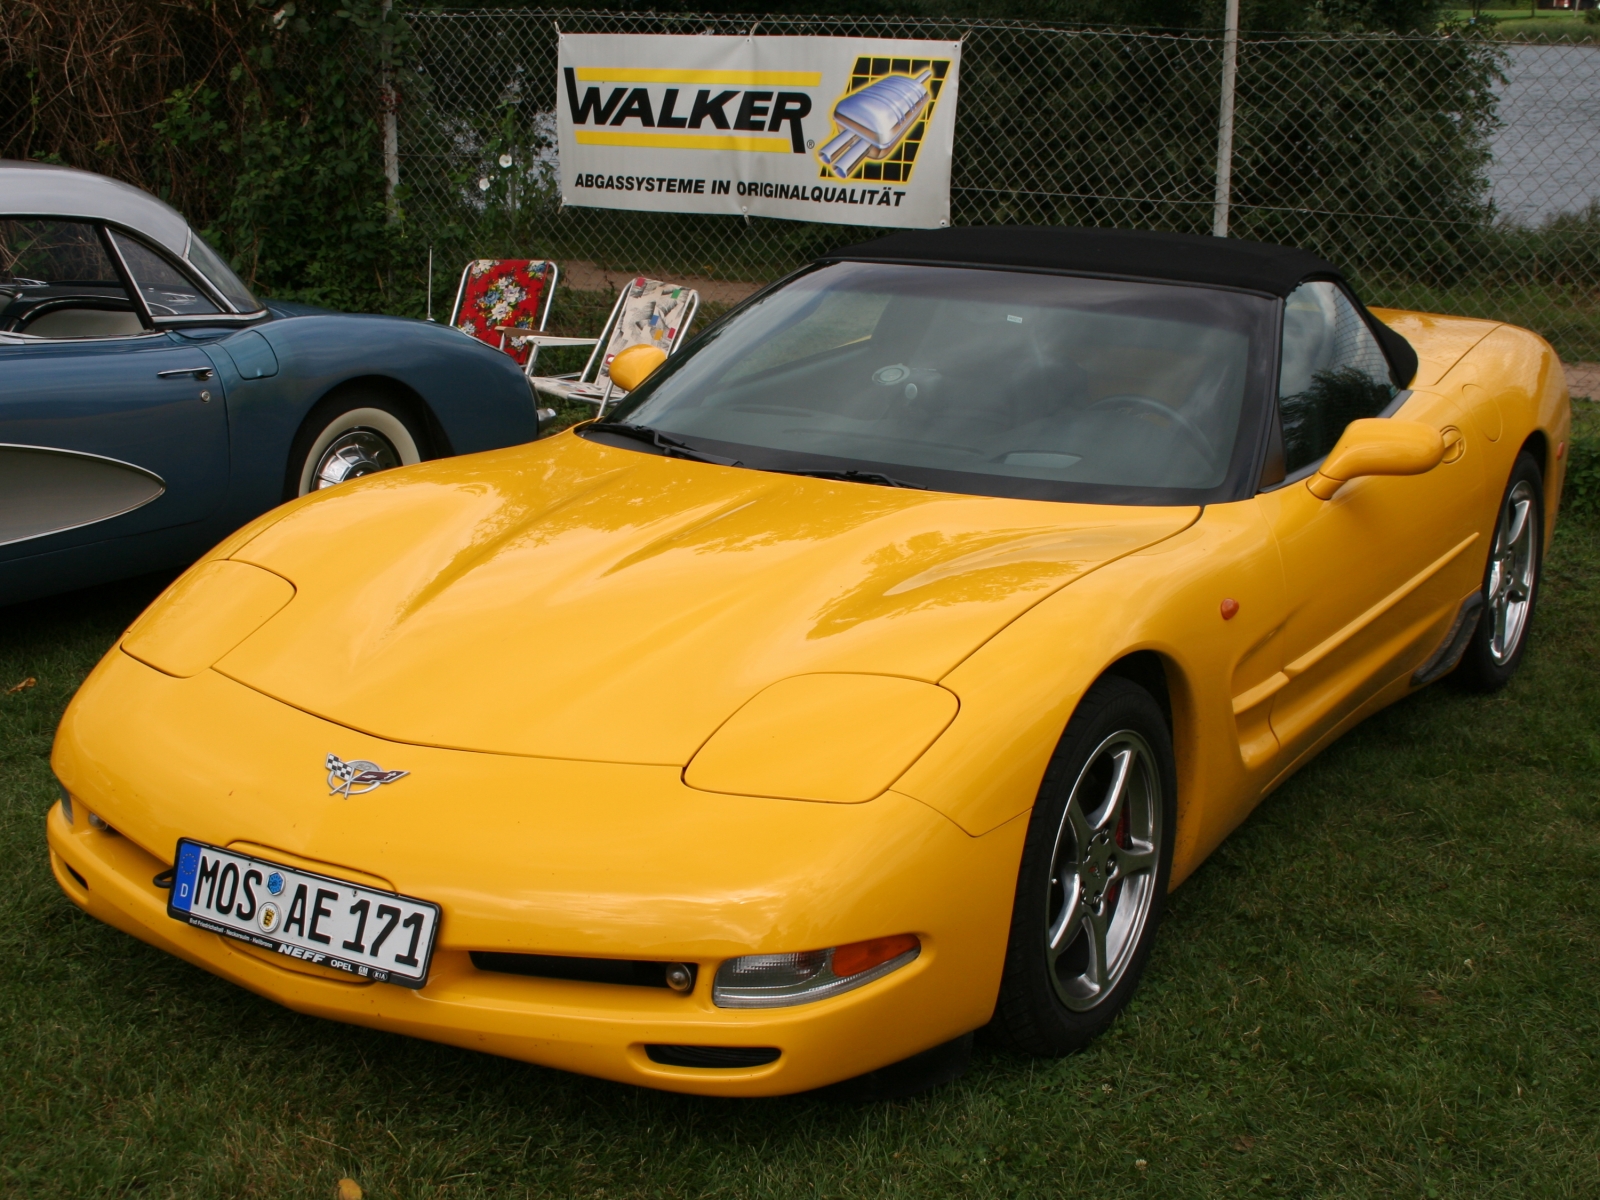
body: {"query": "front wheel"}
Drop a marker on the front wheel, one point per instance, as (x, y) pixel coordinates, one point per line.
(347, 437)
(1510, 583)
(1094, 874)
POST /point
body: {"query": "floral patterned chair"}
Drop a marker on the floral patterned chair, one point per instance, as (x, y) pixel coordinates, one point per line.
(499, 297)
(648, 312)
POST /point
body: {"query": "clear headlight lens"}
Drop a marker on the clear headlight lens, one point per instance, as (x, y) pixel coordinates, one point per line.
(66, 802)
(779, 980)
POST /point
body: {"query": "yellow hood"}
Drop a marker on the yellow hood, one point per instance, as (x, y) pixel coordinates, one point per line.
(572, 600)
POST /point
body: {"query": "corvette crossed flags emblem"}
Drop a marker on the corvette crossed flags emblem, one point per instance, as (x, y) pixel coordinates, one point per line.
(358, 776)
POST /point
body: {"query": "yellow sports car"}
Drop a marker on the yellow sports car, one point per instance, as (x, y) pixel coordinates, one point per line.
(865, 678)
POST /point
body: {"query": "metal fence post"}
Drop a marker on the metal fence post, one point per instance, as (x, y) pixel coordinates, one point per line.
(1230, 72)
(391, 124)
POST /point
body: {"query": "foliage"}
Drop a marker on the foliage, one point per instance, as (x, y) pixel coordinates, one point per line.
(286, 147)
(1581, 495)
(262, 125)
(1402, 16)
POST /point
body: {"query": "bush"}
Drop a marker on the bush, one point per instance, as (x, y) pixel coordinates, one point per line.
(1581, 495)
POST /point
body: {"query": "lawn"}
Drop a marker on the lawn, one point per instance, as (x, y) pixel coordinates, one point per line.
(1385, 984)
(1530, 20)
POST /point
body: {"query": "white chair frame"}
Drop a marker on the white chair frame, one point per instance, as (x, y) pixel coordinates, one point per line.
(591, 368)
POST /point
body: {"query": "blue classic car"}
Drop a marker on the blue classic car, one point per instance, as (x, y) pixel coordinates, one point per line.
(150, 404)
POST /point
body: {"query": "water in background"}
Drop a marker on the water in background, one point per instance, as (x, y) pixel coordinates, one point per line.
(1547, 151)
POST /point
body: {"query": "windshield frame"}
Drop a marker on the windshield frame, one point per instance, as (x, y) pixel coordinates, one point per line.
(1240, 480)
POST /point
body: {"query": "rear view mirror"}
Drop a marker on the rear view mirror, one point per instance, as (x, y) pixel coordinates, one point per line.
(634, 365)
(1377, 446)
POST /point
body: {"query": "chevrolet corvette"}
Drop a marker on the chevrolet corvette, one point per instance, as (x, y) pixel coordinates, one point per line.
(150, 403)
(868, 678)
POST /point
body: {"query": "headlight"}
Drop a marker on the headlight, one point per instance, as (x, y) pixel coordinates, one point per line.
(66, 802)
(779, 980)
(206, 613)
(840, 738)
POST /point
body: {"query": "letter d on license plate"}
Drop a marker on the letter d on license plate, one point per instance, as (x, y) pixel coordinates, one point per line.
(329, 922)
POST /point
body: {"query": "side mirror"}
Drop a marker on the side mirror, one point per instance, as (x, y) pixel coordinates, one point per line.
(635, 364)
(1377, 446)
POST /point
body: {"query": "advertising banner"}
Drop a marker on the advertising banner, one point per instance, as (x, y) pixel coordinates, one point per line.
(856, 131)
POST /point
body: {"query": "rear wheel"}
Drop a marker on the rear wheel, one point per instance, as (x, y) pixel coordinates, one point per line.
(348, 435)
(1094, 874)
(1510, 583)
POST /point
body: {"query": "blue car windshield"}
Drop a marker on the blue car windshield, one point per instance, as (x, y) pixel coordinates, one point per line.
(991, 382)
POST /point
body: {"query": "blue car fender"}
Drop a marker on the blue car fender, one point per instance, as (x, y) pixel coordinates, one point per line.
(471, 396)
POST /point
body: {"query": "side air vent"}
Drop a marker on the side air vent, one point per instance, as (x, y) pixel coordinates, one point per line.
(713, 1057)
(628, 972)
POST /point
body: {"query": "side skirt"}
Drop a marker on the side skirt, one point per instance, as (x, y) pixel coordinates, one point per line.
(1443, 660)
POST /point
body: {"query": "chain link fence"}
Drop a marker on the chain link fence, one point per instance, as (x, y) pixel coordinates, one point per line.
(1446, 173)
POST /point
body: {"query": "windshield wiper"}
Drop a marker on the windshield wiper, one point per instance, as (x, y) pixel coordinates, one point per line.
(854, 476)
(669, 446)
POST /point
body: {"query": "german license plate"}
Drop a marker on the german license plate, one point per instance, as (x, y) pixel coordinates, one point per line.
(329, 922)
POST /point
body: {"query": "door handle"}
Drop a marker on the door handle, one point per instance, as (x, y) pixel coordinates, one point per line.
(200, 373)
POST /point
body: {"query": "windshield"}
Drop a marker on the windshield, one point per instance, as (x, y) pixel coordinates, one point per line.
(984, 381)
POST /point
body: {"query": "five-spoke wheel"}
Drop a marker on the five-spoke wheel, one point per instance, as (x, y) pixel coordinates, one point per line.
(1094, 873)
(1510, 583)
(1102, 877)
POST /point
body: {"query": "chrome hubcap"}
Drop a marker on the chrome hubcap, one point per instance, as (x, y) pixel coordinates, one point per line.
(353, 454)
(1512, 568)
(1103, 871)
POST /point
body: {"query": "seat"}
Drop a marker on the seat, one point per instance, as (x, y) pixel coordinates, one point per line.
(498, 297)
(647, 312)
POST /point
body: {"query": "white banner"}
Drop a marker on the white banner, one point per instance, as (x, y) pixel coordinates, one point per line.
(855, 131)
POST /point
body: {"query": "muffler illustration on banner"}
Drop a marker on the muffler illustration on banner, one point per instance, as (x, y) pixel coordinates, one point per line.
(873, 121)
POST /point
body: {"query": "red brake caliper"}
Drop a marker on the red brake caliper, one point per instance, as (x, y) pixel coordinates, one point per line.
(1121, 840)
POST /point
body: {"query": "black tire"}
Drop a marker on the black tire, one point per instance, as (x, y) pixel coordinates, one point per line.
(377, 432)
(1510, 584)
(1055, 1001)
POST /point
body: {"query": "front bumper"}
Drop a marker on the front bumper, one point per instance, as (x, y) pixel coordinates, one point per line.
(540, 857)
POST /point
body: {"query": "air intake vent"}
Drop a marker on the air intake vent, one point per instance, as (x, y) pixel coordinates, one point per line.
(628, 972)
(724, 1057)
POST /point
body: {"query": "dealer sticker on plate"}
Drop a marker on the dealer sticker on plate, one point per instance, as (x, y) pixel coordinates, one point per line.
(329, 922)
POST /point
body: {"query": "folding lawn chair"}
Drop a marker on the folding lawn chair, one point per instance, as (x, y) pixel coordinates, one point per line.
(500, 296)
(648, 312)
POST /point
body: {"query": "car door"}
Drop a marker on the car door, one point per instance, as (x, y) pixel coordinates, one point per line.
(107, 427)
(1375, 575)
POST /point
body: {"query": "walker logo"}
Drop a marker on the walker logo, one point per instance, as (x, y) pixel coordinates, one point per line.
(807, 128)
(756, 105)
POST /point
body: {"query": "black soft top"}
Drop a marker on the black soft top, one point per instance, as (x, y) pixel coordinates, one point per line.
(1126, 253)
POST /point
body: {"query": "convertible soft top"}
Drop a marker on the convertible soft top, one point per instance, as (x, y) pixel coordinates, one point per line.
(1137, 254)
(1126, 254)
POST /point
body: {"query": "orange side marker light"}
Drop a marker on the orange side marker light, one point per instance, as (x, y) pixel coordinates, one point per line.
(1230, 609)
(863, 956)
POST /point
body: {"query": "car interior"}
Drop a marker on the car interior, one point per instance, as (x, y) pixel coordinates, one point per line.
(58, 280)
(995, 372)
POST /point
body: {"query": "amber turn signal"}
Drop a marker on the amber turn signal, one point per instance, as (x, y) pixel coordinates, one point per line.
(863, 956)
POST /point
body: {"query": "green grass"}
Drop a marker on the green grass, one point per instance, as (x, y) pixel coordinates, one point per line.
(1384, 984)
(1522, 20)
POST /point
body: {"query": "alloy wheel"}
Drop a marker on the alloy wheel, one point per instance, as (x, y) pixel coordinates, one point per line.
(1513, 567)
(1103, 870)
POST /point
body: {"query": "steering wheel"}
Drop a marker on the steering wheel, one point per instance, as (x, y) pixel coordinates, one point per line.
(1194, 432)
